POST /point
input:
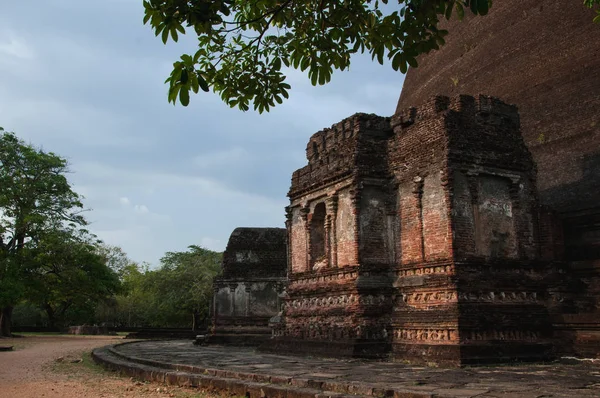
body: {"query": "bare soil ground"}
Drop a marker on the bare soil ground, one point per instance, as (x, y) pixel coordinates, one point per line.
(61, 367)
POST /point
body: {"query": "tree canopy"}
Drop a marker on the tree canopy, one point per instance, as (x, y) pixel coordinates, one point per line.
(57, 274)
(67, 273)
(177, 294)
(245, 48)
(185, 281)
(35, 198)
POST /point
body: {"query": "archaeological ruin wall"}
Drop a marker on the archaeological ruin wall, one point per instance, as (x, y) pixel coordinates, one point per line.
(541, 56)
(247, 293)
(418, 237)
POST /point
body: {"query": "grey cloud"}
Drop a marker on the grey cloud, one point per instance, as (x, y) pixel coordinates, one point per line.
(85, 79)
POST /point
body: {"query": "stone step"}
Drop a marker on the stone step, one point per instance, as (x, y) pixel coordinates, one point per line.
(241, 384)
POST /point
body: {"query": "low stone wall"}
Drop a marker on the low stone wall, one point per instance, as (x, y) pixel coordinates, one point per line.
(89, 330)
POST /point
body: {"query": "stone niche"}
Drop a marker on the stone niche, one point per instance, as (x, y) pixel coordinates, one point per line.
(419, 237)
(247, 294)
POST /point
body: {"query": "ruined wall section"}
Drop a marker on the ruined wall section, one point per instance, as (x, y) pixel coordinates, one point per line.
(338, 157)
(423, 239)
(255, 252)
(503, 283)
(335, 153)
(246, 294)
(511, 53)
(417, 158)
(470, 283)
(346, 249)
(338, 291)
(425, 314)
(495, 199)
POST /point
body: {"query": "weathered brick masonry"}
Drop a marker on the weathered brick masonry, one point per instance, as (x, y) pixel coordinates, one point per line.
(542, 56)
(420, 236)
(423, 236)
(246, 294)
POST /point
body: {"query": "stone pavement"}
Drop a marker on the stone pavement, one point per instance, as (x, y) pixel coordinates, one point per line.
(244, 372)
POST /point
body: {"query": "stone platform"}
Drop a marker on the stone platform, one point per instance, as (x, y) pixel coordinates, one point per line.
(245, 372)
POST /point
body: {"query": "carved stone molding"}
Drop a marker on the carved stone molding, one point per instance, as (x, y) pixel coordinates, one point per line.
(434, 269)
(506, 297)
(342, 275)
(341, 300)
(504, 335)
(428, 298)
(427, 335)
(336, 328)
(450, 296)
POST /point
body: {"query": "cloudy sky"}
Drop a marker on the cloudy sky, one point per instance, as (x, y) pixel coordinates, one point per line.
(84, 79)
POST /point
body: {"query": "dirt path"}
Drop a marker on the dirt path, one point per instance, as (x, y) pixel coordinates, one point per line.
(60, 366)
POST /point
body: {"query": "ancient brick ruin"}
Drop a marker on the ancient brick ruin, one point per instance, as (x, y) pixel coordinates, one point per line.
(427, 236)
(419, 236)
(542, 57)
(246, 294)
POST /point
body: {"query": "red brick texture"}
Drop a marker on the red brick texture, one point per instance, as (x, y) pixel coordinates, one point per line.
(543, 57)
(432, 238)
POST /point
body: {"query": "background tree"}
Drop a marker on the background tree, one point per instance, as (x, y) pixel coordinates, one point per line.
(135, 306)
(67, 277)
(35, 197)
(177, 294)
(114, 257)
(184, 283)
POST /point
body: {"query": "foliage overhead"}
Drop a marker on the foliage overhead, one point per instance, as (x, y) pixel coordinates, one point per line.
(245, 47)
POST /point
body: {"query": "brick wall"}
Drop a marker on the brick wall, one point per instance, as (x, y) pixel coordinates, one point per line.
(425, 228)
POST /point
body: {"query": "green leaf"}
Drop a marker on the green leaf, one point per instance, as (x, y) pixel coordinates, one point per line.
(187, 60)
(403, 66)
(304, 64)
(173, 92)
(449, 9)
(474, 4)
(202, 82)
(460, 11)
(314, 77)
(321, 77)
(184, 76)
(379, 52)
(396, 60)
(483, 7)
(165, 35)
(184, 96)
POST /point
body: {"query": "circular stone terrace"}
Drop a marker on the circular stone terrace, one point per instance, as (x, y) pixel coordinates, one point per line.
(244, 372)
